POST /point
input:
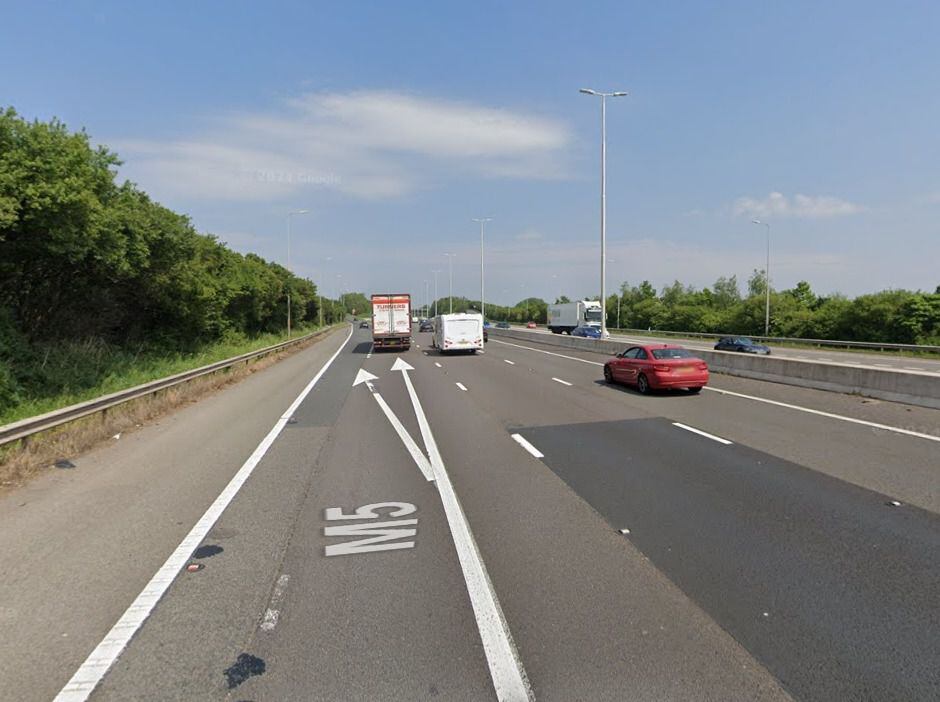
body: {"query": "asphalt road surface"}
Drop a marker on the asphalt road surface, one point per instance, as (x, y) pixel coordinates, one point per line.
(409, 526)
(885, 359)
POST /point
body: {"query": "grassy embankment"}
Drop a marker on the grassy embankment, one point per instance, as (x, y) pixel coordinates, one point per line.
(70, 373)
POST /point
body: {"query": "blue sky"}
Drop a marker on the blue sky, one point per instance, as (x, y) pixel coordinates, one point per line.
(396, 123)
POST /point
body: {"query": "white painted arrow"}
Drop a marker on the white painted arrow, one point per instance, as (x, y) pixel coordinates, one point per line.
(364, 376)
(401, 365)
(502, 657)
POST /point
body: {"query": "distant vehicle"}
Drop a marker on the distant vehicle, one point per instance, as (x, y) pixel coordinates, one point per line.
(363, 324)
(588, 332)
(567, 316)
(502, 325)
(531, 325)
(461, 331)
(657, 367)
(486, 334)
(487, 324)
(391, 321)
(741, 344)
(426, 326)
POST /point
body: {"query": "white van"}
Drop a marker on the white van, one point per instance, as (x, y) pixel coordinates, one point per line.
(458, 332)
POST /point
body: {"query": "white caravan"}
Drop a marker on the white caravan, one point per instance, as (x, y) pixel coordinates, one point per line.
(458, 332)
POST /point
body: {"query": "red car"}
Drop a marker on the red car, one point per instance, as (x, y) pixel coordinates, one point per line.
(530, 325)
(657, 367)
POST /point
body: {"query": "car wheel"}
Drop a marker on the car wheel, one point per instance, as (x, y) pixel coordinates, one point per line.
(642, 384)
(608, 376)
(695, 391)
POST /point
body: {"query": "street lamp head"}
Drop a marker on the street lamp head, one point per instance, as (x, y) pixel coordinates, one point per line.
(756, 221)
(619, 94)
(587, 91)
(293, 212)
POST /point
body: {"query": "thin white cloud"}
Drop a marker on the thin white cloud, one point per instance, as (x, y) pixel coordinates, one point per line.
(367, 144)
(528, 235)
(778, 205)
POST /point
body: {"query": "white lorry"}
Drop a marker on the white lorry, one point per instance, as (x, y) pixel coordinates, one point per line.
(391, 321)
(564, 317)
(458, 332)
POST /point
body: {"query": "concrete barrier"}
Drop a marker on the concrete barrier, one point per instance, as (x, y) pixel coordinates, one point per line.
(910, 387)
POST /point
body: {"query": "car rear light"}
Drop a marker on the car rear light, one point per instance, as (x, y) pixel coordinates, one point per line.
(703, 366)
(661, 368)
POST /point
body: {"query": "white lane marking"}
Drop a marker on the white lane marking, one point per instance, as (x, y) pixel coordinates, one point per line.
(701, 433)
(99, 661)
(506, 670)
(419, 458)
(563, 382)
(885, 365)
(624, 531)
(438, 364)
(549, 353)
(519, 439)
(798, 408)
(852, 420)
(274, 606)
(461, 386)
(511, 363)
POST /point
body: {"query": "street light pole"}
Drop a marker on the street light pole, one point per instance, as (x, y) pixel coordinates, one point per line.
(435, 291)
(450, 267)
(603, 97)
(289, 215)
(482, 221)
(766, 280)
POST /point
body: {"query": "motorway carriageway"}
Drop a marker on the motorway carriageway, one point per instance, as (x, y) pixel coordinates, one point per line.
(885, 360)
(500, 526)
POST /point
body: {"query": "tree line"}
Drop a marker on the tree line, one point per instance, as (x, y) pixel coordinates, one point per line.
(891, 316)
(85, 257)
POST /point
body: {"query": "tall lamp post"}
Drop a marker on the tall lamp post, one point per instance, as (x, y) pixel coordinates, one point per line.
(603, 97)
(435, 291)
(289, 215)
(482, 221)
(766, 279)
(450, 267)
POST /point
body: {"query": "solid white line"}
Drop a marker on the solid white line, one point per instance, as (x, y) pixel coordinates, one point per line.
(461, 386)
(519, 439)
(701, 433)
(798, 408)
(438, 364)
(274, 607)
(852, 420)
(563, 382)
(511, 363)
(419, 458)
(506, 671)
(99, 661)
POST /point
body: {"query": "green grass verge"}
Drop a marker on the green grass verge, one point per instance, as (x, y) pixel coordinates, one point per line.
(87, 370)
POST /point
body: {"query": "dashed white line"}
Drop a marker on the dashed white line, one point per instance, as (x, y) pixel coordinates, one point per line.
(519, 439)
(701, 433)
(99, 661)
(511, 363)
(549, 353)
(438, 364)
(563, 382)
(798, 408)
(274, 608)
(461, 386)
